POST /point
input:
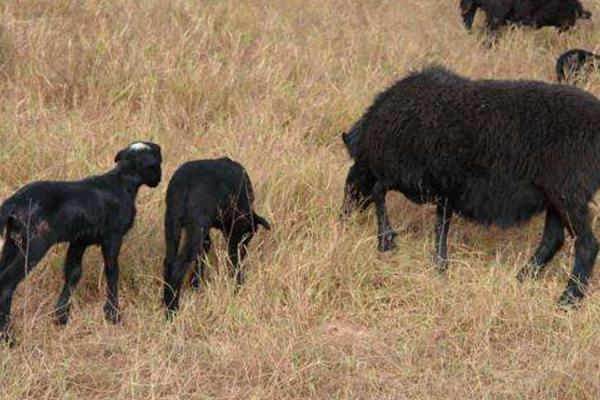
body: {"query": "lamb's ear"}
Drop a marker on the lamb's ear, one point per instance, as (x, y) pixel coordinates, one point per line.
(258, 220)
(345, 138)
(120, 155)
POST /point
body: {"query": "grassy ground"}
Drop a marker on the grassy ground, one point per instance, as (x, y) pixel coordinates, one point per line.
(272, 83)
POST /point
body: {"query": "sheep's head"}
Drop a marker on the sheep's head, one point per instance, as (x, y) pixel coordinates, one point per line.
(144, 159)
(357, 191)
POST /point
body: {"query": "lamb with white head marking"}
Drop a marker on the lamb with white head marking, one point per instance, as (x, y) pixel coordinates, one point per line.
(98, 210)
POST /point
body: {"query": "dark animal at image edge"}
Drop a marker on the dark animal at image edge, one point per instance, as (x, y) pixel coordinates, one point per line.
(203, 195)
(574, 65)
(494, 152)
(98, 210)
(562, 14)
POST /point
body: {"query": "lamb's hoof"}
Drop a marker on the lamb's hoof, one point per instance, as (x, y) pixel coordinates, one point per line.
(528, 271)
(112, 314)
(7, 338)
(170, 314)
(62, 317)
(441, 265)
(386, 241)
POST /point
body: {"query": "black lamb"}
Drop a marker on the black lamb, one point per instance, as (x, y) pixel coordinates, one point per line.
(206, 194)
(496, 152)
(562, 14)
(98, 210)
(574, 65)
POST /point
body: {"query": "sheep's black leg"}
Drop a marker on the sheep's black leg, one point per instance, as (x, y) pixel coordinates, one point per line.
(174, 274)
(110, 253)
(552, 240)
(442, 224)
(13, 274)
(72, 271)
(238, 248)
(200, 263)
(586, 249)
(385, 233)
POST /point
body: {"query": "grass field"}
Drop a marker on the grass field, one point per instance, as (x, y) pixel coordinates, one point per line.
(272, 83)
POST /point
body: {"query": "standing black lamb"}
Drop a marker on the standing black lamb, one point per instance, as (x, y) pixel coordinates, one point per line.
(495, 152)
(574, 65)
(98, 210)
(206, 194)
(562, 14)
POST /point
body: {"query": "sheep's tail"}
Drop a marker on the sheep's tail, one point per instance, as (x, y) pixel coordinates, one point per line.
(352, 138)
(258, 220)
(6, 212)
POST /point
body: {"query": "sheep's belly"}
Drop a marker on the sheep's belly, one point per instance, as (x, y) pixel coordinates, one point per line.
(499, 203)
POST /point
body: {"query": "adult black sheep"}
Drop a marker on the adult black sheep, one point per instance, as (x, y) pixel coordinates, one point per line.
(562, 14)
(575, 64)
(495, 152)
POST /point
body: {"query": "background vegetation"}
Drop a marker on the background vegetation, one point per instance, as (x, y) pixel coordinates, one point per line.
(272, 83)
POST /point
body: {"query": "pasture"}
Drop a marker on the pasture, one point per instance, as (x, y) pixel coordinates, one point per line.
(272, 84)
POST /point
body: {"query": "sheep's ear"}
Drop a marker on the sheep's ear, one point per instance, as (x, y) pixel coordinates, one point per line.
(345, 138)
(120, 155)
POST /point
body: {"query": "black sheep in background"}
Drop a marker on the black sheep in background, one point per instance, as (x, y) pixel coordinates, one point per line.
(574, 65)
(202, 195)
(495, 152)
(98, 210)
(562, 14)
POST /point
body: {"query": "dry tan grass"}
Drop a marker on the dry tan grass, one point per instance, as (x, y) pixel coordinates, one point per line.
(272, 83)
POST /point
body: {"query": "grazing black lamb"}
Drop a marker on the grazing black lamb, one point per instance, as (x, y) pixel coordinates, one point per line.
(495, 152)
(562, 14)
(206, 194)
(574, 65)
(98, 210)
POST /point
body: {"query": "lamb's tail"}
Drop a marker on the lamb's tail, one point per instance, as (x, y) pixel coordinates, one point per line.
(258, 220)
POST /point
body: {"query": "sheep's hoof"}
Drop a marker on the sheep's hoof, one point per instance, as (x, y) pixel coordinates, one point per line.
(528, 271)
(386, 241)
(569, 299)
(112, 314)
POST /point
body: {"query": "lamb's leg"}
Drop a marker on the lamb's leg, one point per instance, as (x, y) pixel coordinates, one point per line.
(174, 274)
(238, 248)
(385, 233)
(586, 249)
(72, 271)
(200, 263)
(110, 254)
(11, 275)
(442, 225)
(552, 240)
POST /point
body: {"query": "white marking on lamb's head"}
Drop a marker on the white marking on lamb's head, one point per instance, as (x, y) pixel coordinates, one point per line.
(138, 146)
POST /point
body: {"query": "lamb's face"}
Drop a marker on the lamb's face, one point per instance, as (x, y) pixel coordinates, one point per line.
(145, 159)
(357, 191)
